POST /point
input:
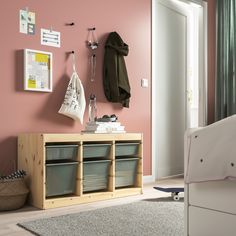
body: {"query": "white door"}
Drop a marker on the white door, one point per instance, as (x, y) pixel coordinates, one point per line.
(170, 94)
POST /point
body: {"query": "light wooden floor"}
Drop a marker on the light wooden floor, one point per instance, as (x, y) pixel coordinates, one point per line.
(8, 220)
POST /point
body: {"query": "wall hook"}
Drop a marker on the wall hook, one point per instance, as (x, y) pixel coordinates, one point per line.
(92, 29)
(73, 59)
(70, 24)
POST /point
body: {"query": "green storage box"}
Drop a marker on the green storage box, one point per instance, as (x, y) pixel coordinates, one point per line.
(60, 178)
(95, 175)
(126, 172)
(61, 152)
(126, 149)
(96, 150)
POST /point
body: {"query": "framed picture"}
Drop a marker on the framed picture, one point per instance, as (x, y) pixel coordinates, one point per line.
(37, 70)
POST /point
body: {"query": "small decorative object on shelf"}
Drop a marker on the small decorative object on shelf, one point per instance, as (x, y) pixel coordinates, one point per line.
(13, 191)
(105, 124)
(92, 108)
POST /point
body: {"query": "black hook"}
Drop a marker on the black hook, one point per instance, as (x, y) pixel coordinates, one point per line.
(70, 24)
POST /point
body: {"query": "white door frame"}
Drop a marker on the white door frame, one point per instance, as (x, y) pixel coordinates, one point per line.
(202, 82)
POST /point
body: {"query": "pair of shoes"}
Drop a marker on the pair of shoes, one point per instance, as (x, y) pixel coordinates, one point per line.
(107, 118)
(112, 117)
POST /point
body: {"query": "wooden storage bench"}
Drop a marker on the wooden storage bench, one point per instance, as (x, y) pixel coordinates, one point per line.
(48, 157)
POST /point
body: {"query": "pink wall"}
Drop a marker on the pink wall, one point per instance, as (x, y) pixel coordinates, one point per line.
(37, 112)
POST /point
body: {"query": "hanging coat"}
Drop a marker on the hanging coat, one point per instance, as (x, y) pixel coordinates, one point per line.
(115, 77)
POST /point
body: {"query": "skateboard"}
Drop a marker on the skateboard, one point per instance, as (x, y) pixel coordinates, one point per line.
(174, 191)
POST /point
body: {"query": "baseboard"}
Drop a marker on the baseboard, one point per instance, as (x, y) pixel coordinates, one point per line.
(151, 179)
(172, 176)
(148, 179)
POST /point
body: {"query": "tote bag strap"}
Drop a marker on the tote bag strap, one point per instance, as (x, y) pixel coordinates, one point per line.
(73, 62)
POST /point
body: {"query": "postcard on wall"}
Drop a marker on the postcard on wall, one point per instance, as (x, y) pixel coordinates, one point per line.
(50, 38)
(31, 23)
(27, 22)
(37, 70)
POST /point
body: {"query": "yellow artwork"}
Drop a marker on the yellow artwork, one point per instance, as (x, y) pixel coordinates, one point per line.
(39, 57)
(31, 83)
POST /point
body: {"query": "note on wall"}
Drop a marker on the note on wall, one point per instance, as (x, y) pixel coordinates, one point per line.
(50, 38)
(27, 22)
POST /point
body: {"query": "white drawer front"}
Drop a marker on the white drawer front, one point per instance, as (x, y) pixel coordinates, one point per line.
(203, 222)
(218, 195)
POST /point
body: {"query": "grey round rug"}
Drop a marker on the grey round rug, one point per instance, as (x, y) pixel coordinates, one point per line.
(143, 218)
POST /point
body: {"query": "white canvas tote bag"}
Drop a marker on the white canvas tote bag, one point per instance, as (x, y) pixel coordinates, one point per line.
(74, 102)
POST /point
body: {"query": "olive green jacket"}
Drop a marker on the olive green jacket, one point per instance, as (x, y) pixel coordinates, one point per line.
(115, 77)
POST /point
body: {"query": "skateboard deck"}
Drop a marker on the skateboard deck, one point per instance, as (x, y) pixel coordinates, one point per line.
(174, 191)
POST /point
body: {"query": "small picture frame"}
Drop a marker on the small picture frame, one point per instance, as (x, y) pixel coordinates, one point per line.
(37, 70)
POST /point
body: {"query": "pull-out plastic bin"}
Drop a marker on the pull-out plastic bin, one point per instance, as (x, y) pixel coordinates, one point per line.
(96, 150)
(126, 172)
(95, 175)
(127, 149)
(60, 178)
(61, 152)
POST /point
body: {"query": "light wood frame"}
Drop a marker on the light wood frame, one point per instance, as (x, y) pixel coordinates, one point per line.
(32, 158)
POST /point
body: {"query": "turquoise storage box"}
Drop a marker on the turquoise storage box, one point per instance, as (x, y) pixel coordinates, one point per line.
(60, 178)
(126, 149)
(95, 175)
(126, 172)
(96, 150)
(61, 152)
